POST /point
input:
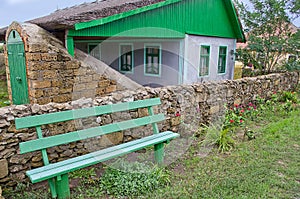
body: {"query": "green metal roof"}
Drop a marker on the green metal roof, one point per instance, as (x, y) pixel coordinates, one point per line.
(168, 19)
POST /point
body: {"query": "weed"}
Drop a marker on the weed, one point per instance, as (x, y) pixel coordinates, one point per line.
(217, 135)
(133, 179)
(86, 176)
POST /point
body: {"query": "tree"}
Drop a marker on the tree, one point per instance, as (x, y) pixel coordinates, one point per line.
(270, 34)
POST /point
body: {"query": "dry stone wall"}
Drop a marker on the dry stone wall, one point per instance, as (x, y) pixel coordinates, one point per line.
(185, 107)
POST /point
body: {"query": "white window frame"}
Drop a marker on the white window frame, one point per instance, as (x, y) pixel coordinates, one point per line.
(120, 58)
(159, 61)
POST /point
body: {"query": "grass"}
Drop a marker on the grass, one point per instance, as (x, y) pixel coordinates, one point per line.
(266, 167)
(4, 101)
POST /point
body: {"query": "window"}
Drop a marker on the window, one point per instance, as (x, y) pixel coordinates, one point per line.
(204, 60)
(95, 50)
(152, 60)
(222, 59)
(126, 58)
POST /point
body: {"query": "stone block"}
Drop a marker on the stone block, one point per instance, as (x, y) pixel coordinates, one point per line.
(72, 65)
(33, 74)
(65, 90)
(111, 139)
(48, 56)
(214, 109)
(229, 93)
(35, 66)
(237, 101)
(33, 57)
(110, 89)
(104, 83)
(41, 84)
(91, 85)
(79, 87)
(175, 121)
(62, 98)
(51, 92)
(142, 112)
(43, 100)
(100, 91)
(34, 48)
(57, 82)
(4, 123)
(3, 168)
(67, 73)
(49, 74)
(36, 93)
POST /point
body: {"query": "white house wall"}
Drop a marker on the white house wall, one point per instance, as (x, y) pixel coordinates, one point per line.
(171, 62)
(192, 46)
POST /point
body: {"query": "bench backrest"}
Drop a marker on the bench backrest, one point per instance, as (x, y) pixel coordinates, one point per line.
(42, 143)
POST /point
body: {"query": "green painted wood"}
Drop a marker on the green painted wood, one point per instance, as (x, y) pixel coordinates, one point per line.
(46, 162)
(38, 120)
(154, 125)
(43, 143)
(103, 151)
(159, 148)
(70, 46)
(60, 168)
(159, 153)
(17, 68)
(62, 186)
(201, 17)
(109, 19)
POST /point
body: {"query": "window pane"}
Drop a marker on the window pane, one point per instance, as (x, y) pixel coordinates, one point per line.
(222, 59)
(204, 60)
(126, 58)
(152, 60)
(94, 50)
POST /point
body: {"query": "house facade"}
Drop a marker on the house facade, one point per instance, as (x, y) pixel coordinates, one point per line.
(153, 42)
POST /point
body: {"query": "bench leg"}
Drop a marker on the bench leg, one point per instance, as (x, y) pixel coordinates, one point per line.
(52, 188)
(62, 186)
(159, 153)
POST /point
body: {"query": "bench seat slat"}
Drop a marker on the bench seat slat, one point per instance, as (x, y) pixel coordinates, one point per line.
(51, 141)
(38, 120)
(102, 151)
(52, 170)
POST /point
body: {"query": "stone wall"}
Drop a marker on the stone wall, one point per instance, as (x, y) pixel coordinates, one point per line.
(197, 103)
(52, 74)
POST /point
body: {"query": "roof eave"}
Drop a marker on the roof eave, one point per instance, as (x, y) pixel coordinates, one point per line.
(237, 23)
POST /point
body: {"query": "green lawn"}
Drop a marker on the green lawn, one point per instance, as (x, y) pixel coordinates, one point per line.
(266, 167)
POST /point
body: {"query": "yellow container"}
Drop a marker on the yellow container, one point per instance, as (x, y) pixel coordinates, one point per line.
(238, 70)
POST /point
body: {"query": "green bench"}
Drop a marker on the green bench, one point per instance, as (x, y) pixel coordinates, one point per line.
(57, 173)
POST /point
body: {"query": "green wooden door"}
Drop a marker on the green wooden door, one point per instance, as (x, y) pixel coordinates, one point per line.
(17, 68)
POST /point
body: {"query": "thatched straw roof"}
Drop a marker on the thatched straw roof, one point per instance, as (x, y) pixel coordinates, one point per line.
(66, 18)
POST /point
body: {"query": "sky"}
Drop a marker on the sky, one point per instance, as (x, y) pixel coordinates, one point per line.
(23, 10)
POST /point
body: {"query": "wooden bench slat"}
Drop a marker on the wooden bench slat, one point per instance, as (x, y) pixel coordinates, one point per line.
(52, 170)
(38, 120)
(46, 142)
(102, 151)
